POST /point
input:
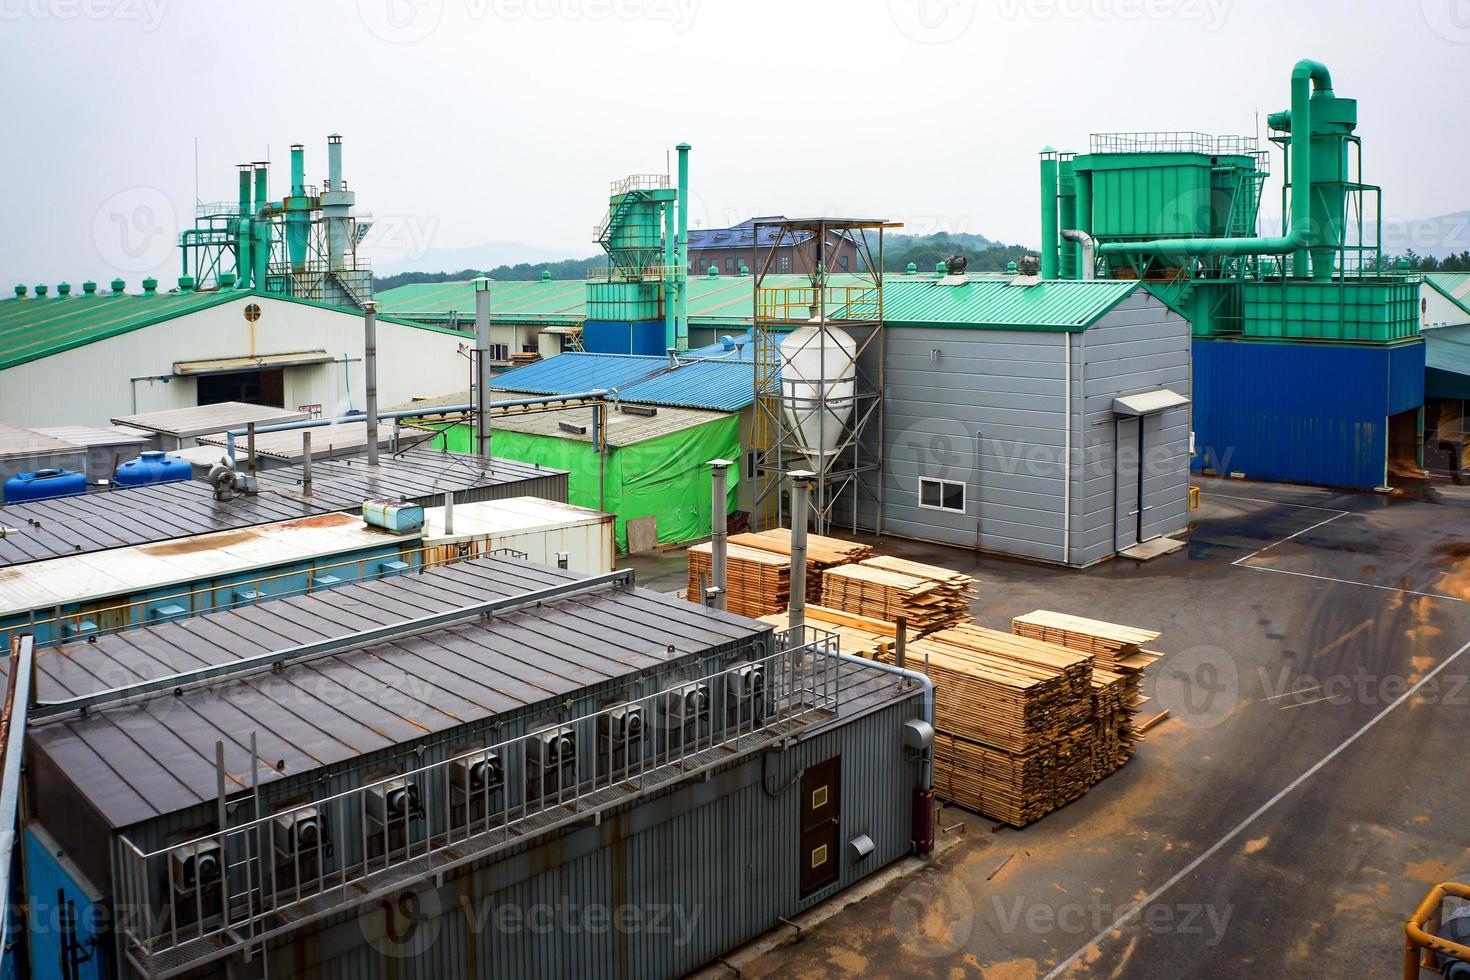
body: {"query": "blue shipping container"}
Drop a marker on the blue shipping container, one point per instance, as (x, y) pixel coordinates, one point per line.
(1301, 413)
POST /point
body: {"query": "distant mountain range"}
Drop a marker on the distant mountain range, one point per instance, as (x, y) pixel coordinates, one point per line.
(1440, 237)
(486, 256)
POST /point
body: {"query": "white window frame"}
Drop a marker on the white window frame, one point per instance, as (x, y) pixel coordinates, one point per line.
(942, 484)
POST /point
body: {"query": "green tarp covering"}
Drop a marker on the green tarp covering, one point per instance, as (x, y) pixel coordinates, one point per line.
(665, 476)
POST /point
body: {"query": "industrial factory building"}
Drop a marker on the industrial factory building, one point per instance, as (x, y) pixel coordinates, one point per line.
(485, 735)
(1308, 360)
(82, 360)
(1031, 418)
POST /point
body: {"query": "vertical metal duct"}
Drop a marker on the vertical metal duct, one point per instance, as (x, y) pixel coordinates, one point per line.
(306, 462)
(482, 368)
(370, 372)
(801, 490)
(718, 530)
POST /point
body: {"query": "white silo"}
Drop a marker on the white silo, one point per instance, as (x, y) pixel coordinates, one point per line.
(818, 366)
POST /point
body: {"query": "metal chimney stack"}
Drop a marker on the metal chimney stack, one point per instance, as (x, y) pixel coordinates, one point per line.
(370, 372)
(718, 531)
(482, 368)
(801, 491)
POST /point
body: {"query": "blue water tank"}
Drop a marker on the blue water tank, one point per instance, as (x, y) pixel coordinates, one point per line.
(153, 467)
(44, 485)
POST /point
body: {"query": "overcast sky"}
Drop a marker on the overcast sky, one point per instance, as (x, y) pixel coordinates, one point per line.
(472, 121)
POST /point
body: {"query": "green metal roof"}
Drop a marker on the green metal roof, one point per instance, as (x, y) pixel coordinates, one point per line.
(1054, 305)
(981, 302)
(1454, 285)
(33, 328)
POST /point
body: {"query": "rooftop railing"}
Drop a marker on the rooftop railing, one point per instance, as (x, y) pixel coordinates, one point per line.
(198, 900)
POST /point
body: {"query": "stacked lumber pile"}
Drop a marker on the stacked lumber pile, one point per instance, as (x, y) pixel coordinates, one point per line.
(886, 588)
(757, 582)
(1118, 664)
(822, 553)
(856, 635)
(1014, 717)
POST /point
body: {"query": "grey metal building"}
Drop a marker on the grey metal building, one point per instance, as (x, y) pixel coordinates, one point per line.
(1013, 412)
(487, 769)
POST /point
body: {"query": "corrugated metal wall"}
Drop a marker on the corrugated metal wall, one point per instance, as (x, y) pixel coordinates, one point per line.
(988, 408)
(698, 872)
(1302, 413)
(1140, 346)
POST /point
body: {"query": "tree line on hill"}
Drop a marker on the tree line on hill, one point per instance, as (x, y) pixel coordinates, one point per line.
(924, 251)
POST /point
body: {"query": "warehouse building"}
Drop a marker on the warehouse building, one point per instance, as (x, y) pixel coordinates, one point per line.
(81, 360)
(487, 735)
(1308, 360)
(1445, 306)
(1029, 418)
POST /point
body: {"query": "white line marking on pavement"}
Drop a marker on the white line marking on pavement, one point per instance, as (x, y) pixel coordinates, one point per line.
(1214, 848)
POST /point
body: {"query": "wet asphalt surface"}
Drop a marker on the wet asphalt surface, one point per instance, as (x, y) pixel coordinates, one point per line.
(1288, 815)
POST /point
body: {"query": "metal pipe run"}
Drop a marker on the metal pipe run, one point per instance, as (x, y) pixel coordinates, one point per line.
(801, 491)
(1306, 78)
(597, 394)
(719, 531)
(370, 370)
(306, 463)
(681, 339)
(482, 367)
(1089, 250)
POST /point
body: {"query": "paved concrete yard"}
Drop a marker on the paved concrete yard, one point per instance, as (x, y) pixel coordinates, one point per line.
(1307, 791)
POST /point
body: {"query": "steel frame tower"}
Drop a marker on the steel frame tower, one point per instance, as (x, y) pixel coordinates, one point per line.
(850, 303)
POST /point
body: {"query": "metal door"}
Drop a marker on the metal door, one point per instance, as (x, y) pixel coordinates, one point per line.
(821, 791)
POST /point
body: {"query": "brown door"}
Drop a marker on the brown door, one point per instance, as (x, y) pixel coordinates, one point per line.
(821, 790)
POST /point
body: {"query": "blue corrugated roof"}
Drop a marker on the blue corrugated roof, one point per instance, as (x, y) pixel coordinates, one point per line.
(721, 386)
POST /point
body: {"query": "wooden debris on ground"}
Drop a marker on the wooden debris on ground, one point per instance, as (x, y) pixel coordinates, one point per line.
(757, 582)
(885, 588)
(822, 553)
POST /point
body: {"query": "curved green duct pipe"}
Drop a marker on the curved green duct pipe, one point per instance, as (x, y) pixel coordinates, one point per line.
(1308, 76)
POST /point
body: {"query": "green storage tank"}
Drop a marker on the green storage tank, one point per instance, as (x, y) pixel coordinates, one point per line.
(1166, 195)
(1363, 311)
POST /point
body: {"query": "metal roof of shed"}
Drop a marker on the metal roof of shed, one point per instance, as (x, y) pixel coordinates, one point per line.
(15, 441)
(622, 429)
(46, 529)
(721, 386)
(200, 420)
(138, 761)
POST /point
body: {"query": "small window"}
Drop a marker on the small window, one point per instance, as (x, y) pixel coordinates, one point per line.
(942, 495)
(729, 264)
(785, 263)
(750, 465)
(843, 262)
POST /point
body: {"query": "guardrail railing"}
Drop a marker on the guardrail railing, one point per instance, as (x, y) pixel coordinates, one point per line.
(200, 899)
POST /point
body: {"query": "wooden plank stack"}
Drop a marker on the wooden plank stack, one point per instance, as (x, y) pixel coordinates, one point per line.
(886, 588)
(822, 553)
(1119, 661)
(1014, 717)
(857, 635)
(1026, 725)
(758, 583)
